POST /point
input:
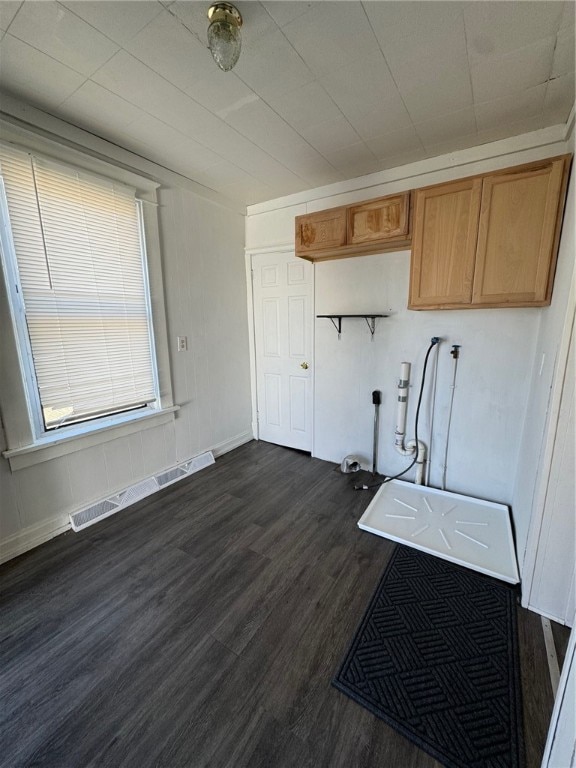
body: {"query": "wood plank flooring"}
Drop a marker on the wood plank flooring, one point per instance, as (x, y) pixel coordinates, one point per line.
(201, 628)
(561, 635)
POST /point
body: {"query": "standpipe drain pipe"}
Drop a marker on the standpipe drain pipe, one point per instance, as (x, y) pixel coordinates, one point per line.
(376, 400)
(400, 433)
(411, 446)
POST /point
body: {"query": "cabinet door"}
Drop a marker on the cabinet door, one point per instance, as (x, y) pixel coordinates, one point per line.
(378, 219)
(444, 244)
(517, 236)
(320, 231)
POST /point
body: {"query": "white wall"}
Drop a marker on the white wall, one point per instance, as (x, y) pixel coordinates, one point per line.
(490, 400)
(545, 479)
(497, 345)
(205, 297)
(205, 284)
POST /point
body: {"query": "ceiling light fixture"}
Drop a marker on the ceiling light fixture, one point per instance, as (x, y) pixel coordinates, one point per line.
(224, 39)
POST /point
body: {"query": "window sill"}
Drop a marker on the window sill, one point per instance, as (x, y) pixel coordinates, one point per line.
(58, 444)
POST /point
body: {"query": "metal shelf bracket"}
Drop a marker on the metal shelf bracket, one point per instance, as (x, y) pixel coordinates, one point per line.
(336, 321)
(337, 325)
(371, 323)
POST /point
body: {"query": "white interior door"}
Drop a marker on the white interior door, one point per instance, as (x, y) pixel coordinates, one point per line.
(283, 291)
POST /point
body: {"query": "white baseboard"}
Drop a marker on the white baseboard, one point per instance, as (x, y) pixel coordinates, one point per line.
(32, 537)
(232, 443)
(567, 622)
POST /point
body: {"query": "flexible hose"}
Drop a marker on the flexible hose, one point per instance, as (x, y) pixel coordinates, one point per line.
(409, 467)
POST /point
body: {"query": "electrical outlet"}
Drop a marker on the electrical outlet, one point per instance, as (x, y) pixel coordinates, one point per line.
(182, 343)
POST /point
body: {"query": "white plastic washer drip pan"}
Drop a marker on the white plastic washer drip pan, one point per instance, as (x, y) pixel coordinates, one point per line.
(466, 531)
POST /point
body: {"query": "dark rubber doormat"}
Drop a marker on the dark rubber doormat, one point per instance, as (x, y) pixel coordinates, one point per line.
(436, 657)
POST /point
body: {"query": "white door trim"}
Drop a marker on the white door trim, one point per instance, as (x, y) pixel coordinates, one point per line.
(251, 342)
(285, 248)
(249, 254)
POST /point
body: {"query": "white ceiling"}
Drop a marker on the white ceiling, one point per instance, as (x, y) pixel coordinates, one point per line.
(323, 91)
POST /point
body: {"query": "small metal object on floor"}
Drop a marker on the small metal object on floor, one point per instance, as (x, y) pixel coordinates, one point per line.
(367, 478)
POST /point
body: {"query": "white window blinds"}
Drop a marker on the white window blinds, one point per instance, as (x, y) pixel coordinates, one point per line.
(79, 255)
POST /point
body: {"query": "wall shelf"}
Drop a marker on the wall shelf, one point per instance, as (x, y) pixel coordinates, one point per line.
(370, 321)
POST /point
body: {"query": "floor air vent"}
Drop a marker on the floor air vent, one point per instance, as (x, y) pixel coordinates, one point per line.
(138, 491)
(168, 477)
(92, 514)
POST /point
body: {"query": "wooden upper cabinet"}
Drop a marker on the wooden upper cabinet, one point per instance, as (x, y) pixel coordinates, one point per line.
(516, 238)
(379, 219)
(489, 241)
(373, 226)
(444, 243)
(319, 231)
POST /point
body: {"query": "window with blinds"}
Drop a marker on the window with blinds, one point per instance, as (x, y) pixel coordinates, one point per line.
(74, 253)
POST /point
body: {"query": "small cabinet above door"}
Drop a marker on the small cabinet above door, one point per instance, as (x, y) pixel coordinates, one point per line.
(373, 226)
(378, 220)
(320, 231)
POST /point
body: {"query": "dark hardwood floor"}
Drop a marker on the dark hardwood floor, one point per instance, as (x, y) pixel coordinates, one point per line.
(561, 635)
(202, 626)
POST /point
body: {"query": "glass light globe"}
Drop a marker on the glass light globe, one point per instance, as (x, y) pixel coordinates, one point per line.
(224, 41)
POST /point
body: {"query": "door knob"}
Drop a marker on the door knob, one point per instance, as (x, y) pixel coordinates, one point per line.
(304, 365)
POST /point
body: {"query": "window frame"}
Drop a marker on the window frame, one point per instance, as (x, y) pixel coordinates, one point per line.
(27, 439)
(18, 315)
